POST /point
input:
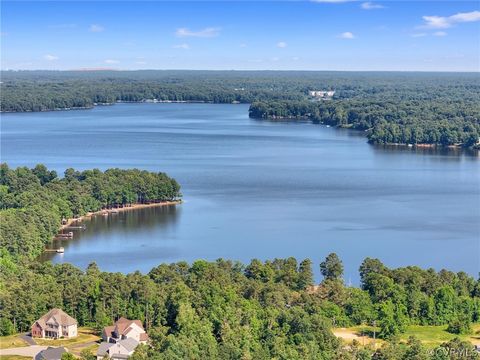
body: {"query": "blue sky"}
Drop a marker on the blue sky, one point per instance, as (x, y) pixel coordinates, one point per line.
(273, 35)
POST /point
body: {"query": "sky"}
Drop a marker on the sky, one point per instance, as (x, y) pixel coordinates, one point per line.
(241, 35)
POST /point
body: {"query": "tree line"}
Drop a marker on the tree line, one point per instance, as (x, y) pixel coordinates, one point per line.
(33, 202)
(263, 310)
(215, 310)
(388, 119)
(403, 108)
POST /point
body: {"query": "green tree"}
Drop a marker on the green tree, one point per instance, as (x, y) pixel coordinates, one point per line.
(332, 267)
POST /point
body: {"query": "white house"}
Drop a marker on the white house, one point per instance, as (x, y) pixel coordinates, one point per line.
(125, 329)
(122, 349)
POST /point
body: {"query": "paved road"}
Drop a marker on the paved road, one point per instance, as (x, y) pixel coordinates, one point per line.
(24, 351)
(28, 339)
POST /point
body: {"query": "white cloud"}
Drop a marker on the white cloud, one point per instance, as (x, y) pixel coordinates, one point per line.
(275, 58)
(444, 22)
(346, 35)
(181, 46)
(111, 61)
(417, 35)
(243, 45)
(96, 28)
(204, 33)
(50, 57)
(140, 62)
(295, 58)
(371, 6)
(440, 33)
(282, 44)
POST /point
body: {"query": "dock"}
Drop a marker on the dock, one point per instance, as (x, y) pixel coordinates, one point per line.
(76, 227)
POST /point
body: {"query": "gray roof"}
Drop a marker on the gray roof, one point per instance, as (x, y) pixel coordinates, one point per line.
(129, 343)
(51, 353)
(103, 348)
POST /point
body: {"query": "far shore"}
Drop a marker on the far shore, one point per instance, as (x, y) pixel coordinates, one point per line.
(88, 215)
(145, 101)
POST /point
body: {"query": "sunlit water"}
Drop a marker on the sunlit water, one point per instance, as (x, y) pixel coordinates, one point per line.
(258, 189)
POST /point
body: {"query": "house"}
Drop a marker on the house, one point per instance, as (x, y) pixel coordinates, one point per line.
(51, 353)
(55, 324)
(125, 329)
(321, 95)
(122, 349)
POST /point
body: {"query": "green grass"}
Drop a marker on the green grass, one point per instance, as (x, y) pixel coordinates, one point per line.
(429, 335)
(14, 357)
(85, 335)
(435, 335)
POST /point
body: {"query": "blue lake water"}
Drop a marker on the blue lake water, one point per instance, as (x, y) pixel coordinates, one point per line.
(258, 189)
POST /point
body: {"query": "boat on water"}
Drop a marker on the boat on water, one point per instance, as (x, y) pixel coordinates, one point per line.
(60, 250)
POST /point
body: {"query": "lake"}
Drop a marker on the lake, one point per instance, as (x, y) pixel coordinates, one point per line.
(258, 189)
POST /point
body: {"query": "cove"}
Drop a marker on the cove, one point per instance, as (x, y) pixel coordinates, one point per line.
(258, 189)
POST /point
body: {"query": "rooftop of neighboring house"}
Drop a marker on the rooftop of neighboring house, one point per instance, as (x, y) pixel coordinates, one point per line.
(58, 316)
(123, 327)
(51, 353)
(129, 344)
(103, 348)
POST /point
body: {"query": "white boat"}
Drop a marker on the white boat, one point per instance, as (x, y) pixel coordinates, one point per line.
(60, 250)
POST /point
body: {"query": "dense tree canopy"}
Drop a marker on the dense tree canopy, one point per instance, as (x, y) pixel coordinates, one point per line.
(34, 201)
(211, 310)
(226, 310)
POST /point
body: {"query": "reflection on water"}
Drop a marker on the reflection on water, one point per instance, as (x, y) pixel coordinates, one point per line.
(453, 153)
(258, 189)
(152, 226)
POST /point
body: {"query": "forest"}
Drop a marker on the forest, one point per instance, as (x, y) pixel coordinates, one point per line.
(33, 202)
(213, 310)
(390, 107)
(263, 310)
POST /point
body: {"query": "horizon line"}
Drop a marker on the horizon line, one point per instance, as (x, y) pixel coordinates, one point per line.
(232, 70)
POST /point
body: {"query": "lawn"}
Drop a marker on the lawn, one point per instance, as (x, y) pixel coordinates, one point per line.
(14, 357)
(435, 335)
(429, 335)
(77, 350)
(11, 341)
(85, 335)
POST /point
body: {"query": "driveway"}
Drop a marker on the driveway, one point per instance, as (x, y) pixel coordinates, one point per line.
(28, 339)
(31, 351)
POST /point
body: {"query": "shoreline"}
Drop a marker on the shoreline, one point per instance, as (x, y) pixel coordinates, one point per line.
(133, 207)
(145, 101)
(349, 127)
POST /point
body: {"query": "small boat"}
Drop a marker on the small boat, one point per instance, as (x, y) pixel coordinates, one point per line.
(114, 211)
(105, 213)
(60, 250)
